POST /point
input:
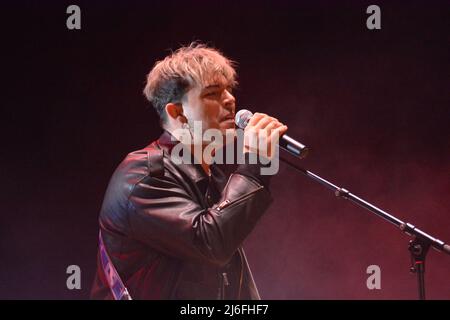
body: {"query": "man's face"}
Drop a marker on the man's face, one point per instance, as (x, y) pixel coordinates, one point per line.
(213, 105)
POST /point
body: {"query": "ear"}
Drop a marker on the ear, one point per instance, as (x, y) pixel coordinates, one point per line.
(175, 112)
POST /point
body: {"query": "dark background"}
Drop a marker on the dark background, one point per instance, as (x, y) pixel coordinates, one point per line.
(372, 105)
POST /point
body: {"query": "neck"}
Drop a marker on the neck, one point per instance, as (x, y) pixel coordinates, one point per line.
(197, 151)
(203, 158)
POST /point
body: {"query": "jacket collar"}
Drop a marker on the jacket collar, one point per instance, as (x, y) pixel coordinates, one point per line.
(167, 142)
(194, 170)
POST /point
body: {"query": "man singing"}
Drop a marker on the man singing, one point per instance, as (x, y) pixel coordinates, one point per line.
(175, 231)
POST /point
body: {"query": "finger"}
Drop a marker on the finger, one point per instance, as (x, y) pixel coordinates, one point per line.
(255, 118)
(278, 132)
(264, 122)
(271, 126)
(251, 139)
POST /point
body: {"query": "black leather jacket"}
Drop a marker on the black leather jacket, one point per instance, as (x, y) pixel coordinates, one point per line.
(173, 232)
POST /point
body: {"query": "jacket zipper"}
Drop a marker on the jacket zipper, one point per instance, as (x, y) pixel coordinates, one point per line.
(224, 277)
(223, 284)
(227, 202)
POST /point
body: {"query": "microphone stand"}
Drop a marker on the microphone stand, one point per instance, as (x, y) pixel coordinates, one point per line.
(418, 246)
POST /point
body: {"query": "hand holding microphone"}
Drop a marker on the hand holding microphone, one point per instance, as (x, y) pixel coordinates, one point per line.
(270, 129)
(261, 134)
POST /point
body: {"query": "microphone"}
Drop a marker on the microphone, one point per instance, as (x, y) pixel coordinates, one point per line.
(287, 143)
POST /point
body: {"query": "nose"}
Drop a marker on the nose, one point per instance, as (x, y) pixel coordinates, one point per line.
(229, 101)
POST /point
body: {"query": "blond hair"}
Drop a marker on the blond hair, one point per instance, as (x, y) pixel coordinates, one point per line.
(187, 67)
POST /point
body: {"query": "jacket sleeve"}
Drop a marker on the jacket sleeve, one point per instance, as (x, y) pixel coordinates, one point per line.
(162, 215)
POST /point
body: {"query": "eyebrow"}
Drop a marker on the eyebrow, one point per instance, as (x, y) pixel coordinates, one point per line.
(212, 86)
(218, 86)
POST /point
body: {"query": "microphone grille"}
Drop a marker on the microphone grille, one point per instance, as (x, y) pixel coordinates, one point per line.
(242, 118)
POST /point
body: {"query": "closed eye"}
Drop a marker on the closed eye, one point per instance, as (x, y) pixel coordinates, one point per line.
(212, 93)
